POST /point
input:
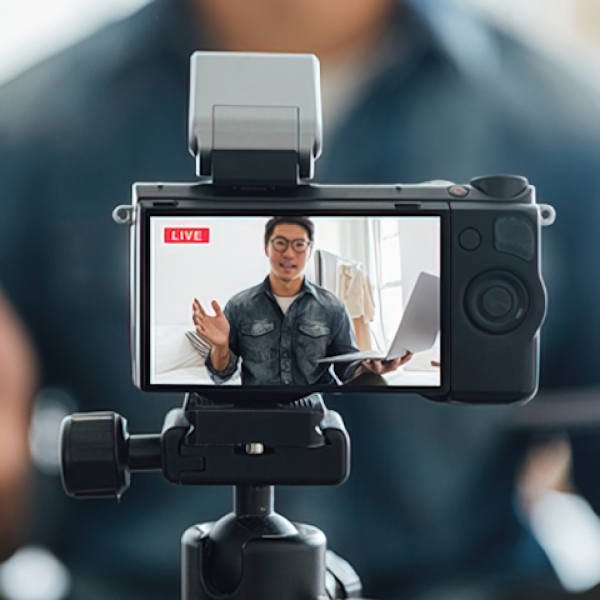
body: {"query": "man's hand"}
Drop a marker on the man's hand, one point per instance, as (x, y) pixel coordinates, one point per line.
(212, 329)
(215, 331)
(382, 367)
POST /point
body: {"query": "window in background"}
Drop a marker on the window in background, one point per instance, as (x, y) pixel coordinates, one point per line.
(389, 278)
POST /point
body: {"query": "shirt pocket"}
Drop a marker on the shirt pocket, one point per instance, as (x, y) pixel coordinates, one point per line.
(258, 340)
(313, 339)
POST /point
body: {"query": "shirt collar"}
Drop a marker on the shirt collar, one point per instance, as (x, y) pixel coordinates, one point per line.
(307, 288)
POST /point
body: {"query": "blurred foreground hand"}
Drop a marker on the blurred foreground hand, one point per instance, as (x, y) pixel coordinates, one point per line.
(18, 383)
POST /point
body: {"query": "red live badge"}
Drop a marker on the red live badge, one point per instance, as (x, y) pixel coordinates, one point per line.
(187, 235)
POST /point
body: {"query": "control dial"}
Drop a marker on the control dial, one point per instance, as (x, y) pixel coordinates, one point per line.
(500, 186)
(497, 301)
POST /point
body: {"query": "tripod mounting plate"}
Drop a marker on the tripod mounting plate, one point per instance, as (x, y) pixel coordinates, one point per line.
(301, 443)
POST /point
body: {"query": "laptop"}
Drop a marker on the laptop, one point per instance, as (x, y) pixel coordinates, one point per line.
(418, 329)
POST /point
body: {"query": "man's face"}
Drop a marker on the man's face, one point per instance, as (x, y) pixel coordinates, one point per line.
(284, 251)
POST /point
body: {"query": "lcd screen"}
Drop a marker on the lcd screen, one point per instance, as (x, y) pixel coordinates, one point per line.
(311, 301)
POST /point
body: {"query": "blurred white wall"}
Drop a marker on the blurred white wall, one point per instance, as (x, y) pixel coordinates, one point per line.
(30, 30)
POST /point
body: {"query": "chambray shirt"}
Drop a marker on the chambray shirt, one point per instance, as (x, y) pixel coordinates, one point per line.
(278, 349)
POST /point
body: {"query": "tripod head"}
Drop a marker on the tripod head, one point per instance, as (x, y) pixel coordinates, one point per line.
(253, 551)
(208, 443)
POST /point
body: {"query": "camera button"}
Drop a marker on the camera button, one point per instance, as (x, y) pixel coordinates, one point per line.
(515, 235)
(458, 191)
(497, 301)
(469, 239)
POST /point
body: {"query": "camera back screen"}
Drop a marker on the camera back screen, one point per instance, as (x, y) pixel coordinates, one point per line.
(319, 302)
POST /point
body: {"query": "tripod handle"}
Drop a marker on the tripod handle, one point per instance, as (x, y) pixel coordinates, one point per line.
(98, 455)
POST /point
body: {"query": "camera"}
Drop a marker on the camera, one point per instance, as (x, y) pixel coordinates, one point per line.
(433, 288)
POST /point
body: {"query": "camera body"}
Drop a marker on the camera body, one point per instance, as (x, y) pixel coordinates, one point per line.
(492, 299)
(432, 288)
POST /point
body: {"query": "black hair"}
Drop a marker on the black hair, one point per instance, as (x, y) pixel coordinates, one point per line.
(302, 221)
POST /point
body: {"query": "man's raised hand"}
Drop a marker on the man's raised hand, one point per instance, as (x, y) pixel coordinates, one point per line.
(212, 329)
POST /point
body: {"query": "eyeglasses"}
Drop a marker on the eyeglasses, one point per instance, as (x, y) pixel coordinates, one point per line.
(281, 244)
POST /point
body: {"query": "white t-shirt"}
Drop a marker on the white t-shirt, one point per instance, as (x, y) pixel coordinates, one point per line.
(285, 302)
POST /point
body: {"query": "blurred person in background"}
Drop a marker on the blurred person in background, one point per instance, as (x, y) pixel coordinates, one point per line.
(412, 91)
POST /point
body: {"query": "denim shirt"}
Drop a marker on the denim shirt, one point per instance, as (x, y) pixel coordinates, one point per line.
(278, 349)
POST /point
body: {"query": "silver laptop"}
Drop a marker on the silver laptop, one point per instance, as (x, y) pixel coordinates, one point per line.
(418, 327)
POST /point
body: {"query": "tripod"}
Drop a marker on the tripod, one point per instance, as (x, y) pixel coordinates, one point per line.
(252, 553)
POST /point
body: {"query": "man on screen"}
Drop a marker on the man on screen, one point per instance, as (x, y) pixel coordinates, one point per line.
(282, 326)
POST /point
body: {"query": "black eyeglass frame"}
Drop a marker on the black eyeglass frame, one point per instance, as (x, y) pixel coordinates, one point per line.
(308, 243)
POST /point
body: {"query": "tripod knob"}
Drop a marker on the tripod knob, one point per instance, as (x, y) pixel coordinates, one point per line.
(94, 455)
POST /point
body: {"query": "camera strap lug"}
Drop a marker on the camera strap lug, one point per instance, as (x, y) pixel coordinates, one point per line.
(123, 214)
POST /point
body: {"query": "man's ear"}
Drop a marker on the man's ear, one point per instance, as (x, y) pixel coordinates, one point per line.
(266, 250)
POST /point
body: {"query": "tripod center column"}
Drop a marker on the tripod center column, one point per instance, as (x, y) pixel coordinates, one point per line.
(253, 500)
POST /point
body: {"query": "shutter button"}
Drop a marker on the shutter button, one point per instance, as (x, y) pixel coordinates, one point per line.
(458, 191)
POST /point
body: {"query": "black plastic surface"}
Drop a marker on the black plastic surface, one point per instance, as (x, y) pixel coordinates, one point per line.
(222, 458)
(94, 455)
(501, 186)
(469, 239)
(515, 235)
(497, 301)
(254, 167)
(275, 562)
